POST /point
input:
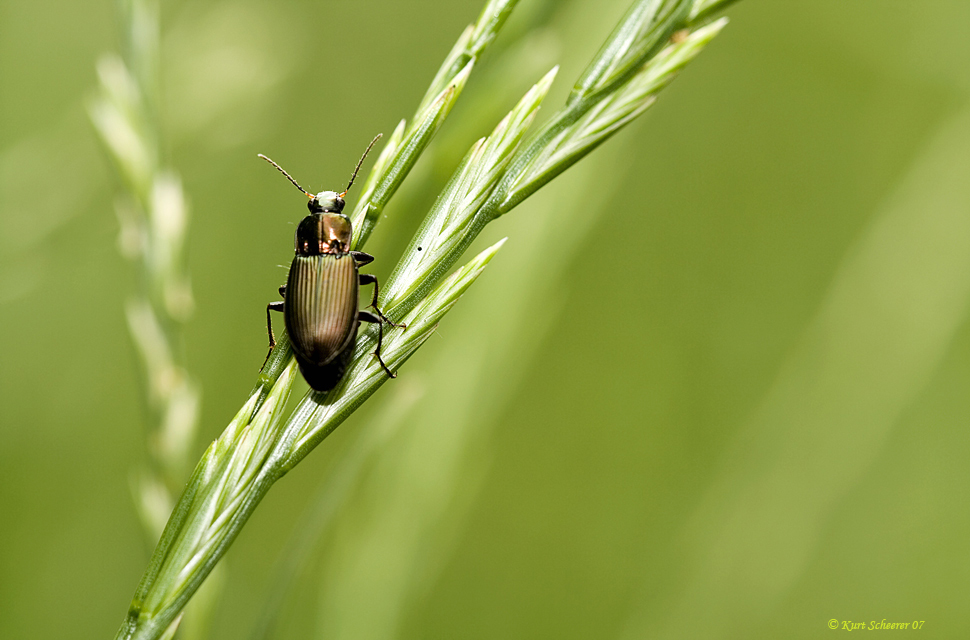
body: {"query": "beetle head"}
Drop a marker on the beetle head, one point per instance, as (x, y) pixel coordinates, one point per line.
(326, 201)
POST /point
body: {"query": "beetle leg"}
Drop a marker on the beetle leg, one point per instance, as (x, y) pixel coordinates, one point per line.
(361, 258)
(367, 316)
(365, 279)
(272, 306)
(283, 290)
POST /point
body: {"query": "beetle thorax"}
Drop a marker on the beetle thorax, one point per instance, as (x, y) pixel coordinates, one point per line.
(323, 233)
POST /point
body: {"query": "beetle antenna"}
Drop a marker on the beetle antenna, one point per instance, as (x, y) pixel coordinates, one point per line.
(366, 151)
(288, 176)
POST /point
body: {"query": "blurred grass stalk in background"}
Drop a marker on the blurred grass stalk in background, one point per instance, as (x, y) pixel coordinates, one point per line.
(153, 215)
(652, 43)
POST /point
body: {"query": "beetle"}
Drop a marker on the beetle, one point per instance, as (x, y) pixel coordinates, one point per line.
(320, 296)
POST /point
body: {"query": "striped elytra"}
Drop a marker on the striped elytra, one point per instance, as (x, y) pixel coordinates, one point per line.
(321, 306)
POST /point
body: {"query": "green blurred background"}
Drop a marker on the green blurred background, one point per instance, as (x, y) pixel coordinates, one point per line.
(715, 384)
